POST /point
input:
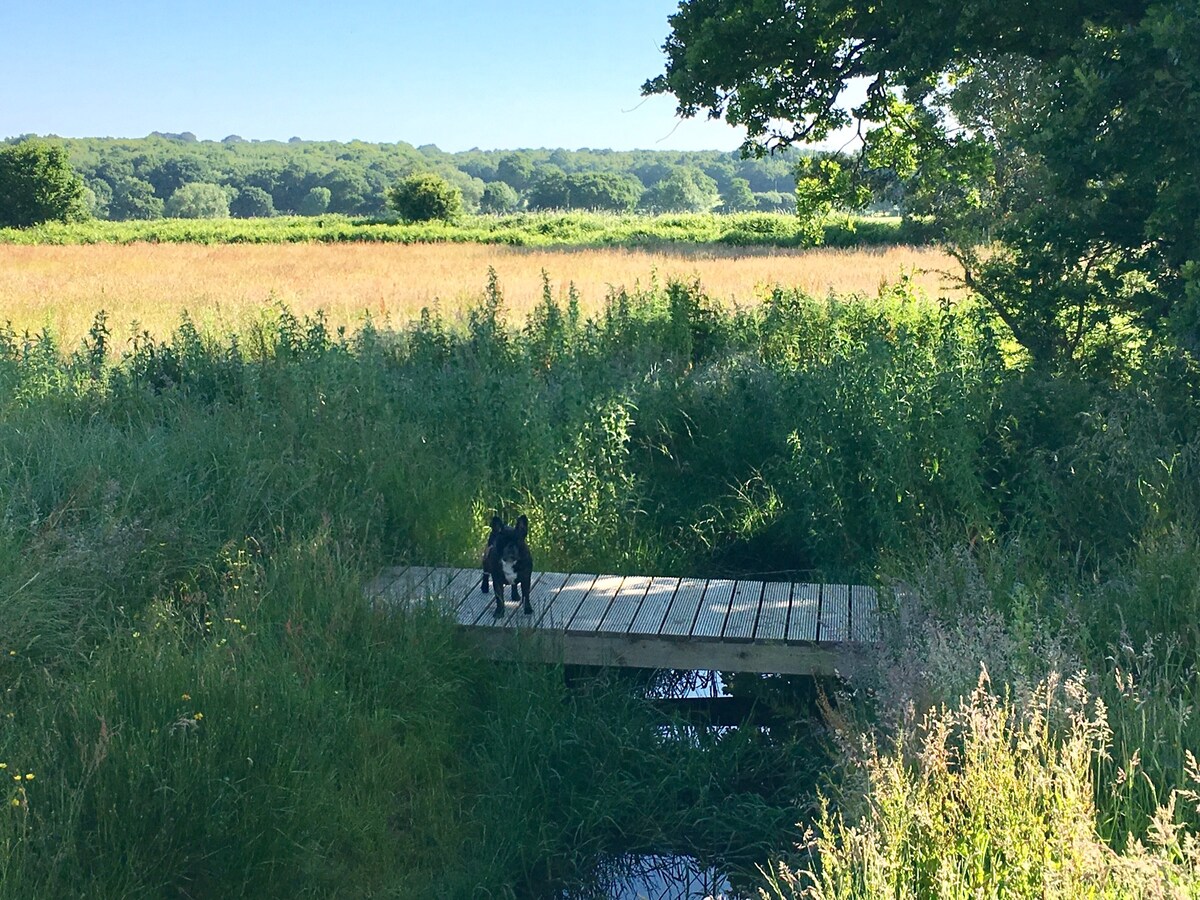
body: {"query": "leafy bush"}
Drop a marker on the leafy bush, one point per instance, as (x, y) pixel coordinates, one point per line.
(426, 197)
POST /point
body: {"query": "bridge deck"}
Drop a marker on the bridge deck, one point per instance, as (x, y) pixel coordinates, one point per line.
(654, 622)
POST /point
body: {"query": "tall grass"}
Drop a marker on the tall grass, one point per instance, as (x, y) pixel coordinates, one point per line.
(194, 514)
(993, 798)
(224, 287)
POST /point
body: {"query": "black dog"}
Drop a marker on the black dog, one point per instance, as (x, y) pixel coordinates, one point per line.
(507, 559)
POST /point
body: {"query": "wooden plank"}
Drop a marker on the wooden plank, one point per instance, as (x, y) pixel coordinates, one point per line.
(451, 585)
(461, 587)
(448, 586)
(864, 614)
(544, 589)
(650, 652)
(563, 605)
(377, 587)
(653, 611)
(802, 618)
(401, 585)
(684, 607)
(743, 611)
(514, 611)
(714, 609)
(477, 606)
(835, 613)
(591, 611)
(773, 613)
(626, 604)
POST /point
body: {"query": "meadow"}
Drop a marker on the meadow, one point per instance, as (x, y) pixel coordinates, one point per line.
(225, 287)
(197, 701)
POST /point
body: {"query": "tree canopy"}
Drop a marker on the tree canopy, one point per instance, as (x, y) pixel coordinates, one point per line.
(38, 185)
(1050, 148)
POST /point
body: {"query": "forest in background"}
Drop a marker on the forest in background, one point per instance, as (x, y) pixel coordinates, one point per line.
(142, 178)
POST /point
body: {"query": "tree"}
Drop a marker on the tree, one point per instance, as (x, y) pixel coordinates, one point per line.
(684, 190)
(515, 170)
(251, 203)
(1054, 152)
(133, 198)
(426, 196)
(498, 197)
(37, 184)
(737, 197)
(550, 189)
(198, 200)
(608, 191)
(175, 171)
(315, 202)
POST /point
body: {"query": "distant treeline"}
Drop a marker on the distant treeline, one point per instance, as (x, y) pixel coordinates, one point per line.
(142, 178)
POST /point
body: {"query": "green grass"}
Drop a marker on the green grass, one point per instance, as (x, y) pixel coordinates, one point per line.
(524, 230)
(195, 516)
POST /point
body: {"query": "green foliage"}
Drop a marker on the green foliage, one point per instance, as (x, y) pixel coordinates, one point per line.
(683, 190)
(554, 189)
(520, 229)
(207, 506)
(198, 200)
(993, 798)
(252, 203)
(358, 174)
(426, 197)
(1033, 144)
(498, 197)
(737, 197)
(315, 202)
(38, 185)
(134, 199)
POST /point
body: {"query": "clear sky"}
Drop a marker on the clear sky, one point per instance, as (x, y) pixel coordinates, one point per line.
(457, 73)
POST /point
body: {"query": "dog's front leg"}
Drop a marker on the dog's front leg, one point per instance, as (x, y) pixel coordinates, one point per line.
(525, 590)
(499, 587)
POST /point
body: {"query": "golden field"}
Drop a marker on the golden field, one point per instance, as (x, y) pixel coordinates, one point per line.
(224, 286)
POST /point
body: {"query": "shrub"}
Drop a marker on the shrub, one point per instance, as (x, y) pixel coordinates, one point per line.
(424, 197)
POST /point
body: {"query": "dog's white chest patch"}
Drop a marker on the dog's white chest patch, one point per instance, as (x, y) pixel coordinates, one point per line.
(510, 570)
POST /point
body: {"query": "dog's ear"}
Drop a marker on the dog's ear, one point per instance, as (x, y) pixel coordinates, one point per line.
(497, 524)
(522, 527)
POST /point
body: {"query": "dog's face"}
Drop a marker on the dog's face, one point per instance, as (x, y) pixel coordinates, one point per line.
(507, 543)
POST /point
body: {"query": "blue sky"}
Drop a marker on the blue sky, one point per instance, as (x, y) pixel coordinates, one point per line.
(500, 75)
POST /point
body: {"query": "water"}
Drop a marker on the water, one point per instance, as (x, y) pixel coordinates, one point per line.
(670, 878)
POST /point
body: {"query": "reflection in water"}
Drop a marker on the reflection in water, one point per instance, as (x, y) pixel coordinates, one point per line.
(668, 878)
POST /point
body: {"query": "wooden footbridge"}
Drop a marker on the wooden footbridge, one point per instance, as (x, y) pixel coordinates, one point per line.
(639, 621)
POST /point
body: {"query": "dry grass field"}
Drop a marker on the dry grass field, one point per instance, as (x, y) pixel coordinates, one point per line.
(224, 286)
